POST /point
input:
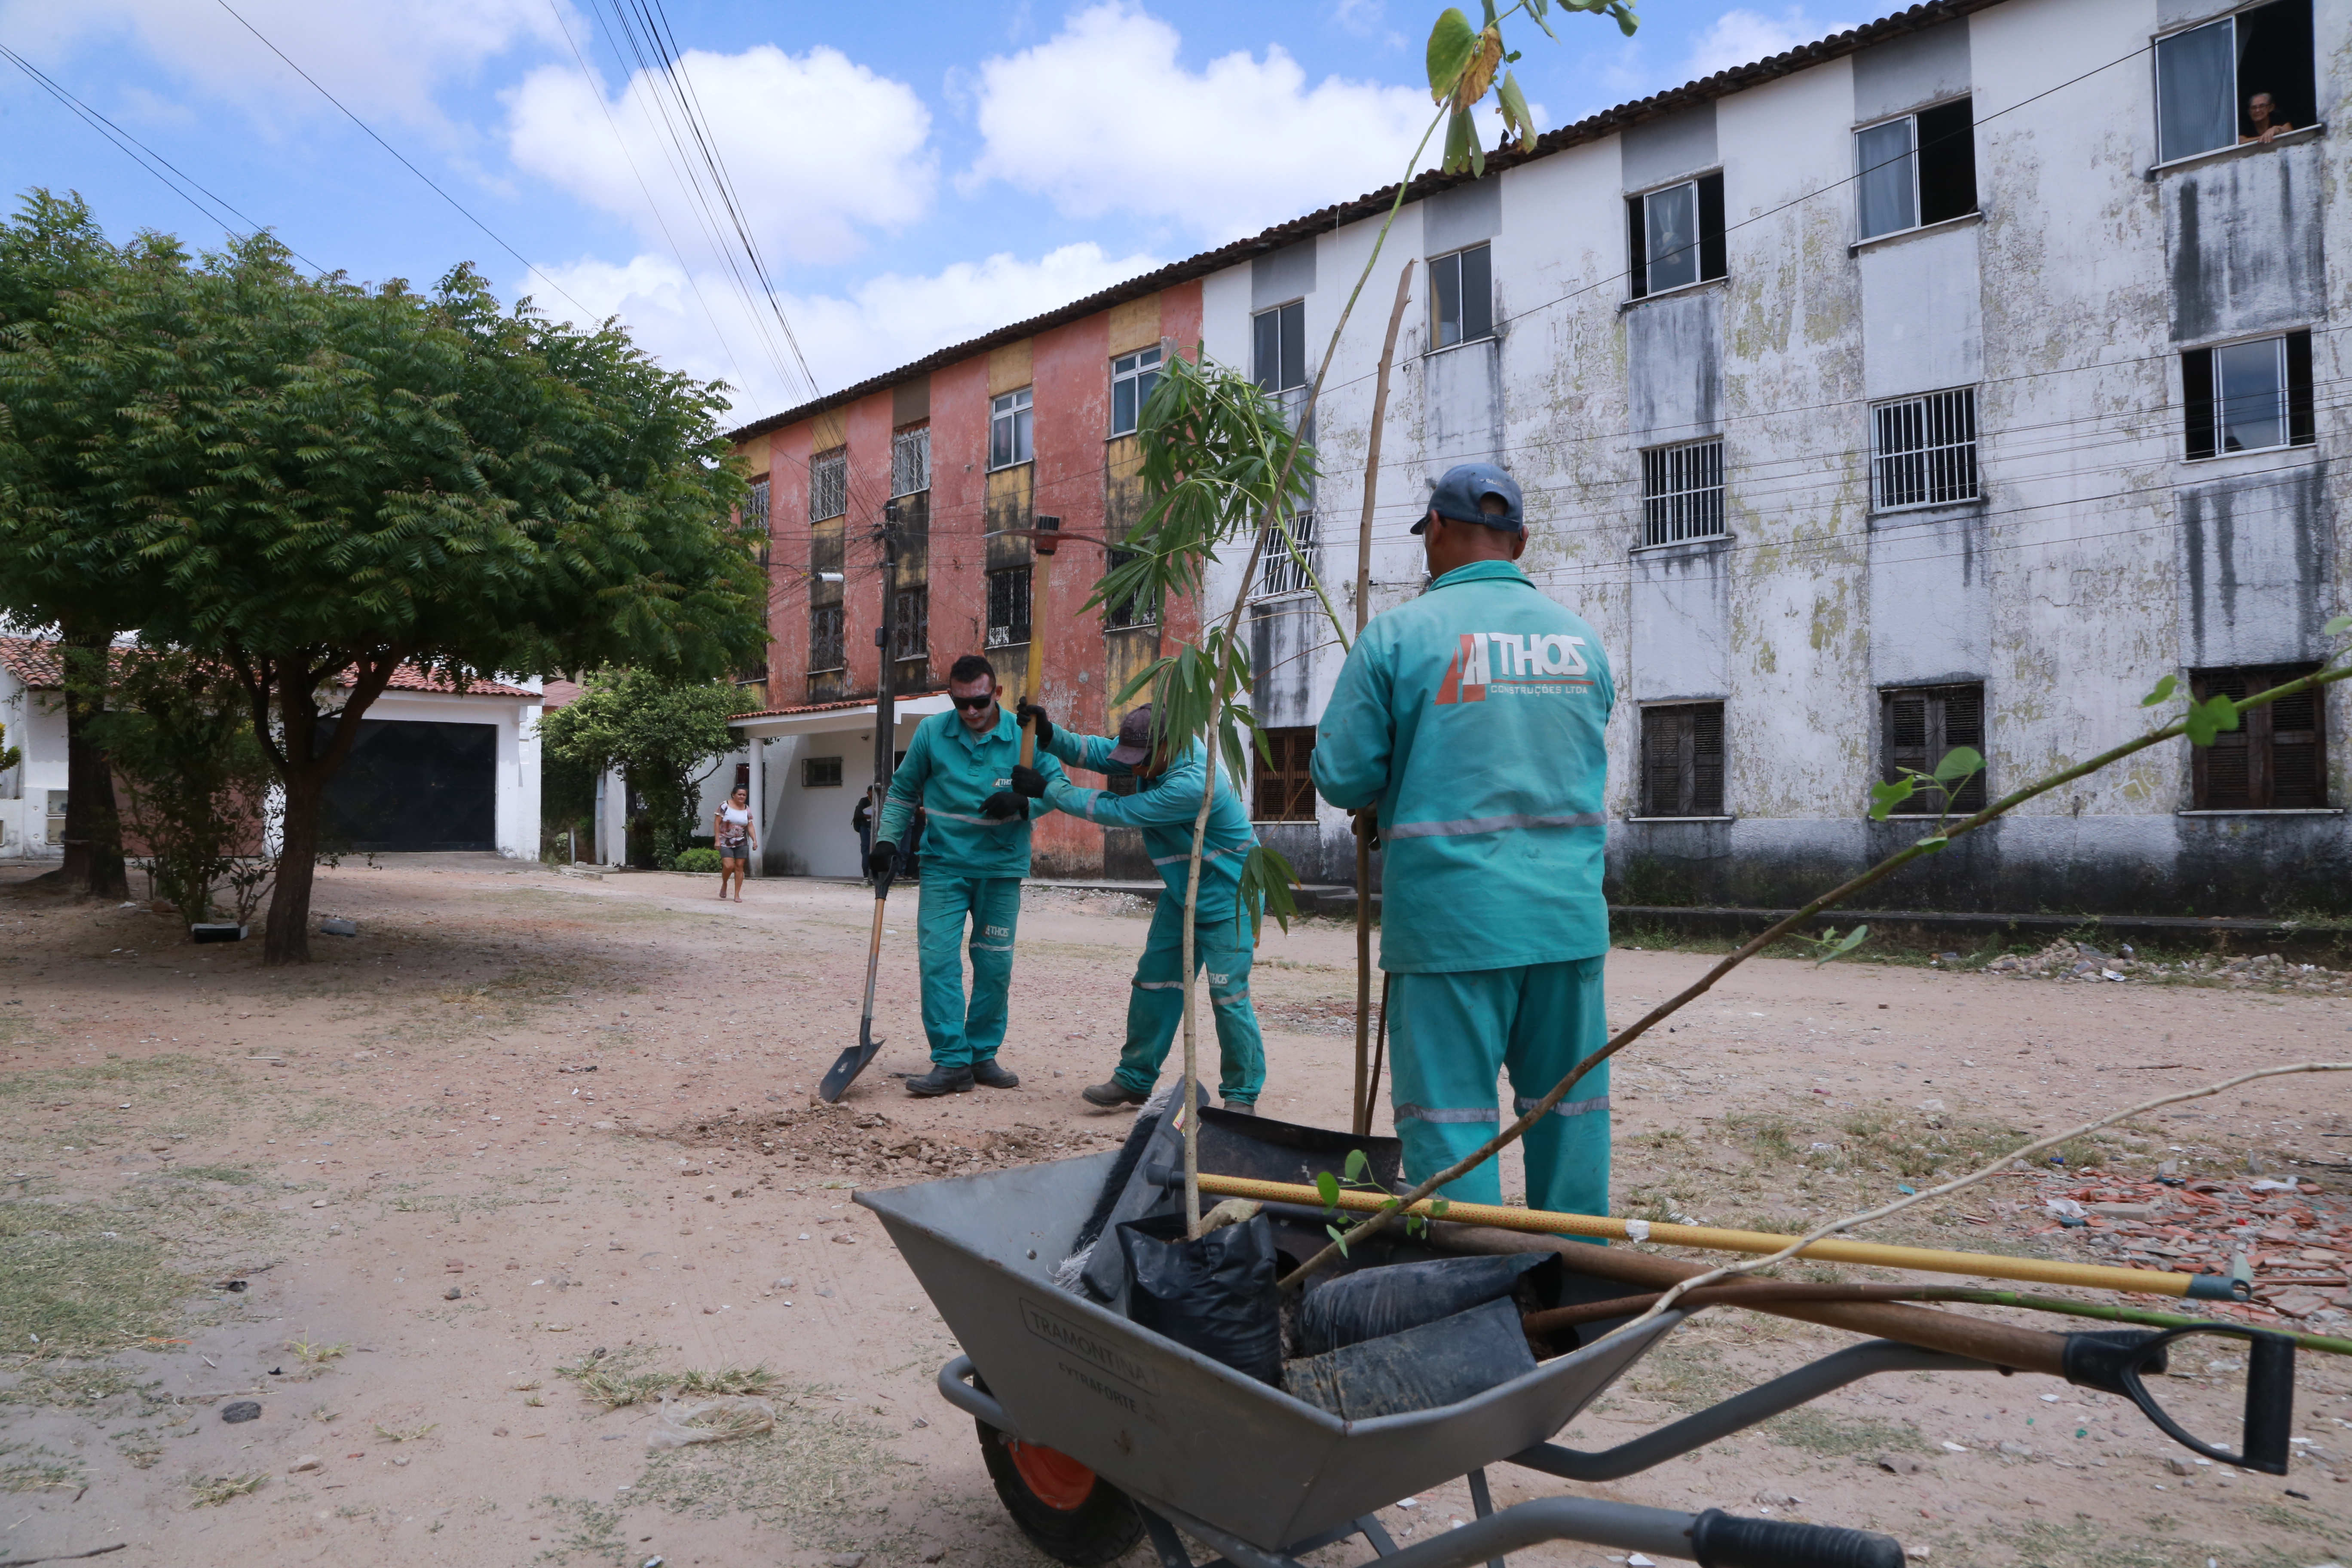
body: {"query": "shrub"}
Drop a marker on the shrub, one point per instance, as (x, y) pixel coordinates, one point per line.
(699, 860)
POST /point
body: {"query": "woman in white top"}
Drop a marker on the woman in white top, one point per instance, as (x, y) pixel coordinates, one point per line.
(730, 830)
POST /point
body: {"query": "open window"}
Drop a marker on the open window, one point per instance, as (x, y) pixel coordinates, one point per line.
(2209, 81)
(1462, 296)
(2249, 396)
(1676, 235)
(1916, 169)
(2276, 759)
(1682, 760)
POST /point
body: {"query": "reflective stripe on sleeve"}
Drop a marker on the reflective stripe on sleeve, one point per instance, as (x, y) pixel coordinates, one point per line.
(1566, 1106)
(1206, 855)
(1490, 824)
(1433, 1113)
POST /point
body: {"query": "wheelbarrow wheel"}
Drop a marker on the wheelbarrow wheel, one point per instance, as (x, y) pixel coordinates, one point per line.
(1067, 1511)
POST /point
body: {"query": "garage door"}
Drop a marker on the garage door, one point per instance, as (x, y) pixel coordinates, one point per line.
(411, 786)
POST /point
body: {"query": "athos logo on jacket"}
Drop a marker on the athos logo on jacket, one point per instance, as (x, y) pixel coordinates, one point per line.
(1518, 666)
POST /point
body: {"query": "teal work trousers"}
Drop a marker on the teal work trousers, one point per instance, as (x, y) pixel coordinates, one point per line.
(1451, 1035)
(963, 1034)
(1155, 1008)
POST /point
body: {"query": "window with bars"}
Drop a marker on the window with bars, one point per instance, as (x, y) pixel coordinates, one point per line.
(1675, 236)
(1283, 791)
(1279, 566)
(828, 484)
(1132, 378)
(910, 638)
(1012, 429)
(1922, 724)
(1682, 492)
(1916, 170)
(2246, 397)
(755, 506)
(1682, 760)
(1462, 296)
(824, 639)
(2276, 759)
(1008, 607)
(1922, 450)
(1133, 610)
(910, 462)
(820, 773)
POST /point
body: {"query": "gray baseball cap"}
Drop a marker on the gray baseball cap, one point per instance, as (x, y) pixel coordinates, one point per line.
(1464, 486)
(1134, 738)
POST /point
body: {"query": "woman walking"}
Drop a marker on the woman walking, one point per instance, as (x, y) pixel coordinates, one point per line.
(730, 830)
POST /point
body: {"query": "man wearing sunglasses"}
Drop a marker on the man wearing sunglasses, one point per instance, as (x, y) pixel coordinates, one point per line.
(959, 769)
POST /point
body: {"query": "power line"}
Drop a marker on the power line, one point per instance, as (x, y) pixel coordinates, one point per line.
(404, 164)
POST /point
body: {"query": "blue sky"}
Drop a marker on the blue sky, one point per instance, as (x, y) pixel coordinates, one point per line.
(911, 174)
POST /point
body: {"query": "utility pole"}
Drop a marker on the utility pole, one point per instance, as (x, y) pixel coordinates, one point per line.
(886, 716)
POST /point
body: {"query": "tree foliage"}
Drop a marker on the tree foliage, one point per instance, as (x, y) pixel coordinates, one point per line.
(662, 734)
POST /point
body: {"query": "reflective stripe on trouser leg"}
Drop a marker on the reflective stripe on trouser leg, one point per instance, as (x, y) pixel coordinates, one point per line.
(1451, 1035)
(996, 918)
(1155, 1007)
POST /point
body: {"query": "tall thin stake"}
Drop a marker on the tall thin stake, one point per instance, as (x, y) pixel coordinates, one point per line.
(1362, 1119)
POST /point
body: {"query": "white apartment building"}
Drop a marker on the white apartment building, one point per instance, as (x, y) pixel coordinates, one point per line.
(1946, 383)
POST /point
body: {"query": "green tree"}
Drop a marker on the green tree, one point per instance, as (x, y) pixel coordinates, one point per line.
(85, 333)
(661, 734)
(330, 481)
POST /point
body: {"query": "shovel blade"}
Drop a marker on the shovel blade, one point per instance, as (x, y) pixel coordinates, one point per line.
(844, 1071)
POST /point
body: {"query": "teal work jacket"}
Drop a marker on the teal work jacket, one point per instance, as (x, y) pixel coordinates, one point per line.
(1473, 717)
(1164, 808)
(950, 771)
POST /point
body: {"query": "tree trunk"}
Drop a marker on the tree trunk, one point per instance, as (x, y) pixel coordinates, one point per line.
(93, 862)
(287, 936)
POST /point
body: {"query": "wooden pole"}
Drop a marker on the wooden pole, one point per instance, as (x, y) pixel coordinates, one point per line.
(1933, 1260)
(1362, 1117)
(1041, 574)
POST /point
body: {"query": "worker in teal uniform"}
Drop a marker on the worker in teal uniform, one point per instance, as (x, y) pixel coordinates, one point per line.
(959, 770)
(1165, 806)
(1471, 721)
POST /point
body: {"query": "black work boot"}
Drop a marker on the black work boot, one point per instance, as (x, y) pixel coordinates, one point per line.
(988, 1075)
(1112, 1096)
(1241, 1107)
(941, 1080)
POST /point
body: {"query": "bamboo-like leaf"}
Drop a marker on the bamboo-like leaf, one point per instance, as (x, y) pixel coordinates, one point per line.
(1267, 879)
(1451, 43)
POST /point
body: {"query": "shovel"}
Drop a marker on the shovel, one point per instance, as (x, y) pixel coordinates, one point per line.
(851, 1062)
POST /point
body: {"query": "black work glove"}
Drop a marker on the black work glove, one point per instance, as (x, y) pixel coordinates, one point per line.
(882, 861)
(1028, 782)
(1029, 711)
(1005, 806)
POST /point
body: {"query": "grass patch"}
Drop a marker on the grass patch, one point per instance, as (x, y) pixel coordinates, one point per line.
(1819, 1432)
(210, 1491)
(80, 1387)
(69, 1289)
(729, 1380)
(618, 1378)
(582, 1527)
(317, 1356)
(811, 1477)
(29, 1467)
(406, 1434)
(1925, 1144)
(234, 1175)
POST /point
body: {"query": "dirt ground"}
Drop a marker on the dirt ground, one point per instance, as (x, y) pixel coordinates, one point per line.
(401, 1199)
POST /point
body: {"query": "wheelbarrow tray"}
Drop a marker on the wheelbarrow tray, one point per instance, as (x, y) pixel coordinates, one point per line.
(1163, 1422)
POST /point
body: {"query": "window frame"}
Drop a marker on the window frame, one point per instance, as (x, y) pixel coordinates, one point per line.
(812, 771)
(1708, 238)
(1139, 375)
(1015, 411)
(910, 459)
(1935, 743)
(2238, 94)
(828, 474)
(818, 615)
(2202, 405)
(1009, 633)
(1924, 454)
(1658, 506)
(1289, 777)
(1695, 744)
(911, 625)
(1483, 317)
(1918, 158)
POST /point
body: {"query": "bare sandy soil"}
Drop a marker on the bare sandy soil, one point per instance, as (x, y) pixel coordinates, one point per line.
(524, 1117)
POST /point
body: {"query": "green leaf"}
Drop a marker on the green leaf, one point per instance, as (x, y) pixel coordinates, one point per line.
(1626, 20)
(1359, 1166)
(1845, 944)
(1885, 797)
(1935, 842)
(1958, 764)
(1461, 141)
(2205, 720)
(1326, 1186)
(1516, 118)
(1267, 879)
(1439, 1206)
(2338, 626)
(2164, 690)
(1452, 42)
(1337, 1238)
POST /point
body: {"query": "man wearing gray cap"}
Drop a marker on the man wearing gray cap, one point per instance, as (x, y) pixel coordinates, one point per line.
(1164, 805)
(1471, 720)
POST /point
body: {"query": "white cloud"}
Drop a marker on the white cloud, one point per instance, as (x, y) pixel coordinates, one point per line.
(1105, 118)
(1742, 37)
(817, 146)
(884, 322)
(385, 61)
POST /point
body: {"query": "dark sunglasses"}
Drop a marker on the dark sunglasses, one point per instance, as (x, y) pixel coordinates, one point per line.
(975, 703)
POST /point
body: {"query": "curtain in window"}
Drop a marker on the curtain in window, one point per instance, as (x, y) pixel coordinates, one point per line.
(2196, 90)
(1888, 190)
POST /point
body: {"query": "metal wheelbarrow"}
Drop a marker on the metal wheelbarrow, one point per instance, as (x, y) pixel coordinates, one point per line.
(1099, 1432)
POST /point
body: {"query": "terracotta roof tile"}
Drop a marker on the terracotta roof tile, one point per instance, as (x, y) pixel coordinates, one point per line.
(34, 661)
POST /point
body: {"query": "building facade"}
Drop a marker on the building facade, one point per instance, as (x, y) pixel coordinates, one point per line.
(1947, 382)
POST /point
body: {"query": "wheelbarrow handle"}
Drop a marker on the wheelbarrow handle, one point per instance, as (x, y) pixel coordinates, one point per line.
(956, 1379)
(1720, 1540)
